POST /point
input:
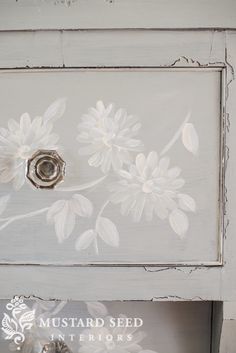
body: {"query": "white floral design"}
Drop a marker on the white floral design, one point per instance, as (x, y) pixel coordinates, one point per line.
(37, 336)
(146, 185)
(131, 336)
(18, 322)
(104, 229)
(63, 214)
(150, 186)
(21, 139)
(109, 137)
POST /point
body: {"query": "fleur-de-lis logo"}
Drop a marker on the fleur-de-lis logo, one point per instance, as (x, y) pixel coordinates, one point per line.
(19, 319)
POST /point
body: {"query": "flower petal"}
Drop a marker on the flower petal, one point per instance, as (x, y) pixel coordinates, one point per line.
(107, 231)
(124, 174)
(85, 239)
(190, 138)
(186, 202)
(95, 160)
(25, 123)
(137, 210)
(55, 110)
(179, 222)
(152, 159)
(106, 163)
(13, 126)
(140, 162)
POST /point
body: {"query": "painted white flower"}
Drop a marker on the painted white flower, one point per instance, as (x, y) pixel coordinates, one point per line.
(63, 214)
(21, 139)
(109, 137)
(149, 187)
(111, 340)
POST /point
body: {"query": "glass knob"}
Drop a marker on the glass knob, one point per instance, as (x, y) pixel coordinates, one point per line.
(45, 169)
(56, 347)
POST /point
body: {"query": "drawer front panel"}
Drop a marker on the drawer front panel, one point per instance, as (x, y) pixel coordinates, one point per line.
(107, 326)
(143, 156)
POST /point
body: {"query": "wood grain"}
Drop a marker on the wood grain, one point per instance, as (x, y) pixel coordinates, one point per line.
(84, 14)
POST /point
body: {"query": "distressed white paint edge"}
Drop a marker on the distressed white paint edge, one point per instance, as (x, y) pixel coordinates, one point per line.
(46, 49)
(96, 283)
(210, 53)
(84, 14)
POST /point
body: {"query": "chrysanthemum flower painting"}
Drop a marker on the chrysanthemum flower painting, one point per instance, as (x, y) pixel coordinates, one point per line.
(151, 187)
(110, 137)
(146, 185)
(22, 138)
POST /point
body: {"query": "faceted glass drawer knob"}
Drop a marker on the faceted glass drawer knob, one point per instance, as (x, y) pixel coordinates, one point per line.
(56, 347)
(45, 169)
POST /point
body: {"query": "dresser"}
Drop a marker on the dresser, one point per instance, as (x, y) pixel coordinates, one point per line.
(117, 164)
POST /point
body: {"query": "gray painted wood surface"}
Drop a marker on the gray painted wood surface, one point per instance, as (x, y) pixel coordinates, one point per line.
(98, 48)
(73, 49)
(224, 326)
(54, 14)
(168, 327)
(161, 100)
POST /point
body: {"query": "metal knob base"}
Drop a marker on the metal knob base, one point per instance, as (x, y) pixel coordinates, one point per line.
(56, 347)
(45, 169)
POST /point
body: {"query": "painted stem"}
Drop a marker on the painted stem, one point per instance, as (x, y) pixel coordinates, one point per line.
(99, 215)
(176, 136)
(103, 208)
(82, 186)
(10, 220)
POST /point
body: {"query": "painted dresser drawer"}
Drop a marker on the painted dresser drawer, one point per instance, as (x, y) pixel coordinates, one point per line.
(106, 327)
(112, 165)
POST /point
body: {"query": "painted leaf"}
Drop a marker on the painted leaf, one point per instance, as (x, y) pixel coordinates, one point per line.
(85, 239)
(3, 203)
(190, 138)
(55, 110)
(54, 209)
(9, 326)
(107, 230)
(8, 332)
(97, 309)
(179, 222)
(28, 316)
(186, 202)
(26, 326)
(81, 205)
(64, 222)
